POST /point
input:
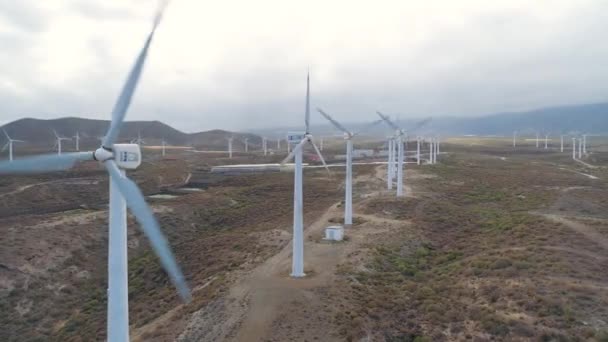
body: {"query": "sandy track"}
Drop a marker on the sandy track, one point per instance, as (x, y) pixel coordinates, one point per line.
(581, 228)
(268, 305)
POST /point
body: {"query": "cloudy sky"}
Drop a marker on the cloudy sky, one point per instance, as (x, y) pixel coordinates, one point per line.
(242, 64)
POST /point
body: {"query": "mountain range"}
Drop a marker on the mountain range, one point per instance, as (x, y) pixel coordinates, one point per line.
(587, 118)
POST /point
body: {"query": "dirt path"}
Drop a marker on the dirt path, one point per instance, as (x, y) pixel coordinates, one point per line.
(581, 228)
(268, 305)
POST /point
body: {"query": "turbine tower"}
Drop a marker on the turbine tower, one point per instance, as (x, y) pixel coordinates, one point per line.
(573, 148)
(546, 140)
(418, 150)
(230, 147)
(9, 145)
(299, 140)
(246, 144)
(399, 135)
(164, 144)
(514, 138)
(58, 141)
(561, 143)
(348, 188)
(77, 139)
(116, 158)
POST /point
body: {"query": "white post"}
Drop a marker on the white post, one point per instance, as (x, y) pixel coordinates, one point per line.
(580, 148)
(400, 167)
(436, 150)
(265, 144)
(10, 150)
(230, 148)
(418, 151)
(546, 140)
(561, 142)
(573, 148)
(118, 286)
(163, 142)
(348, 201)
(59, 146)
(389, 166)
(297, 266)
(536, 139)
(585, 144)
(77, 142)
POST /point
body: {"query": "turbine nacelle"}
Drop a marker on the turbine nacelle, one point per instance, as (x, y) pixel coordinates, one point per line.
(126, 156)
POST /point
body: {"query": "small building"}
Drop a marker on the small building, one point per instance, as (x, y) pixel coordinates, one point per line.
(334, 233)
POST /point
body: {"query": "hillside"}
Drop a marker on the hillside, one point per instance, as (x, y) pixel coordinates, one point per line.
(39, 132)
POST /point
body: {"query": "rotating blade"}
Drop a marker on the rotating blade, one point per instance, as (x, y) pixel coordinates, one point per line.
(334, 122)
(368, 127)
(6, 134)
(307, 115)
(293, 151)
(124, 100)
(320, 156)
(142, 212)
(44, 163)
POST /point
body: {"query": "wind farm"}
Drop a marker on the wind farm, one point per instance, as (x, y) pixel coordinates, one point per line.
(304, 214)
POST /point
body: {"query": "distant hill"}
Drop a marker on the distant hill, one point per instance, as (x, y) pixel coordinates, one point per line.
(587, 118)
(39, 132)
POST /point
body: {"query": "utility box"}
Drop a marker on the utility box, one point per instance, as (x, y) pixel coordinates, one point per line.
(334, 233)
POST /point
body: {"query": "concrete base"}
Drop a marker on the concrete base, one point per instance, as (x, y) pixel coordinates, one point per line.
(334, 233)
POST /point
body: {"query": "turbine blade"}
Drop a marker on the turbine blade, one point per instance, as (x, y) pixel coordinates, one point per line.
(44, 163)
(124, 100)
(368, 127)
(7, 137)
(388, 121)
(321, 157)
(334, 122)
(142, 212)
(307, 115)
(420, 124)
(294, 150)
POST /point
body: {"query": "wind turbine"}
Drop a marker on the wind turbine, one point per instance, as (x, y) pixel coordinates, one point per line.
(299, 140)
(230, 147)
(546, 140)
(348, 136)
(58, 141)
(77, 138)
(139, 140)
(265, 145)
(246, 144)
(399, 134)
(9, 145)
(580, 148)
(561, 142)
(418, 150)
(116, 158)
(574, 148)
(163, 143)
(584, 143)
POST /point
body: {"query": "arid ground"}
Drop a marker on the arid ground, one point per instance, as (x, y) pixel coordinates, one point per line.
(491, 243)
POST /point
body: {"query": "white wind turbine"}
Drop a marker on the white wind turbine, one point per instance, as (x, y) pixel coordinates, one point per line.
(164, 144)
(574, 148)
(399, 135)
(116, 158)
(265, 145)
(139, 140)
(9, 145)
(299, 140)
(230, 146)
(58, 141)
(561, 143)
(348, 136)
(546, 140)
(246, 141)
(77, 139)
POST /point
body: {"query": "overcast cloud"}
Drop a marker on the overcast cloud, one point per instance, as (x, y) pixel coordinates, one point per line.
(242, 64)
